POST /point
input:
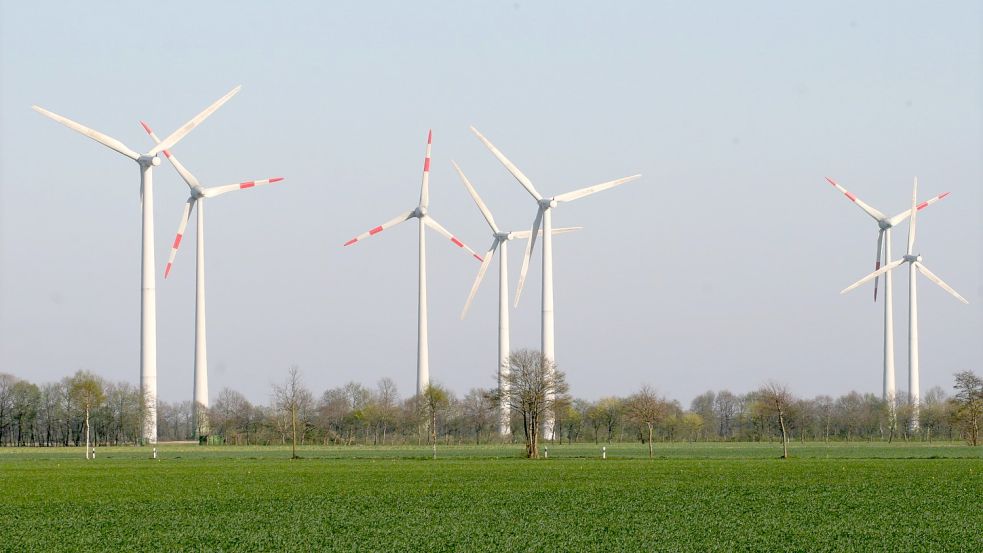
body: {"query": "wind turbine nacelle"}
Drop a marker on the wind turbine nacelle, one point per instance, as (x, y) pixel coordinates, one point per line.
(913, 258)
(149, 161)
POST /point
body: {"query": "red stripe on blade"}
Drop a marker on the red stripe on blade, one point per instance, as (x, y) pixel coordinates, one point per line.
(478, 257)
(921, 206)
(430, 136)
(943, 195)
(851, 196)
(167, 270)
(177, 242)
(352, 241)
(167, 154)
(426, 165)
(146, 127)
(376, 230)
(458, 242)
(276, 179)
(831, 181)
(247, 184)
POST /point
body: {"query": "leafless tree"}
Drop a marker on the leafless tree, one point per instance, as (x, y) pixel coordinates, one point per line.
(291, 398)
(535, 387)
(479, 411)
(775, 399)
(645, 407)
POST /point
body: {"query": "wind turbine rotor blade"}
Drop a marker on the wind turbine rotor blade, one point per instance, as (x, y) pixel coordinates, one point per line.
(570, 196)
(185, 215)
(485, 262)
(103, 139)
(904, 214)
(873, 275)
(523, 180)
(388, 224)
(177, 135)
(519, 234)
(914, 215)
(931, 276)
(533, 232)
(219, 190)
(477, 199)
(185, 174)
(877, 215)
(425, 186)
(877, 259)
(432, 223)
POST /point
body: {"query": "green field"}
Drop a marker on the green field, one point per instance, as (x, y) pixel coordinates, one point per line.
(694, 497)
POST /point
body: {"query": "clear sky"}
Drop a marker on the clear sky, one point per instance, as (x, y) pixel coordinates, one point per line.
(720, 268)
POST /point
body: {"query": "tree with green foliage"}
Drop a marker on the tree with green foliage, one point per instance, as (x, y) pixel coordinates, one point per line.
(434, 399)
(969, 405)
(775, 400)
(87, 391)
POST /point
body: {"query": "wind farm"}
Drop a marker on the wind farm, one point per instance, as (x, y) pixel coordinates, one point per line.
(683, 345)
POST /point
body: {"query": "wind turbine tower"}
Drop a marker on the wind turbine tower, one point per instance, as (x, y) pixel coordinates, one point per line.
(148, 287)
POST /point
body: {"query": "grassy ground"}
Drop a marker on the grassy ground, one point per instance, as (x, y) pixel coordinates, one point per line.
(695, 497)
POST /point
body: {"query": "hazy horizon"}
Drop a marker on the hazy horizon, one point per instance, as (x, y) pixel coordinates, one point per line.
(719, 269)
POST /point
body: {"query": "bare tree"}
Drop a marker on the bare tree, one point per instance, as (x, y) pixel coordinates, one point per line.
(87, 391)
(775, 399)
(290, 398)
(478, 411)
(645, 407)
(969, 404)
(535, 388)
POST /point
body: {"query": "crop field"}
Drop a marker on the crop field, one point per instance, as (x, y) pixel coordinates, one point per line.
(692, 497)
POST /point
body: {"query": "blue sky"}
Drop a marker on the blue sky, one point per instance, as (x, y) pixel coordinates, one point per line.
(720, 268)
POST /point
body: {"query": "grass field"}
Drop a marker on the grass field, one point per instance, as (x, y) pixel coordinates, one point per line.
(694, 497)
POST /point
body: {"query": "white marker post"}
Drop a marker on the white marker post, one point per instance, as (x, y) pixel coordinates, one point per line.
(604, 452)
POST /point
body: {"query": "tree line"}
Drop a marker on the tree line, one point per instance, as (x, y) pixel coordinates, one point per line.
(55, 413)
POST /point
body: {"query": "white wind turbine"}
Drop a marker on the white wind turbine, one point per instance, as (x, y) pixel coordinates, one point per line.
(421, 212)
(885, 224)
(500, 240)
(914, 262)
(148, 303)
(544, 220)
(197, 199)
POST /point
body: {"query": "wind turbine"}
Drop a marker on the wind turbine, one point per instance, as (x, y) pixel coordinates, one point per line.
(197, 199)
(500, 239)
(421, 212)
(544, 220)
(148, 303)
(914, 262)
(885, 224)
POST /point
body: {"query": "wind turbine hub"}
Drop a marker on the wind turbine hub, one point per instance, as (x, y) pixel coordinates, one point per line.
(420, 212)
(884, 224)
(197, 192)
(912, 258)
(149, 161)
(504, 235)
(547, 203)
